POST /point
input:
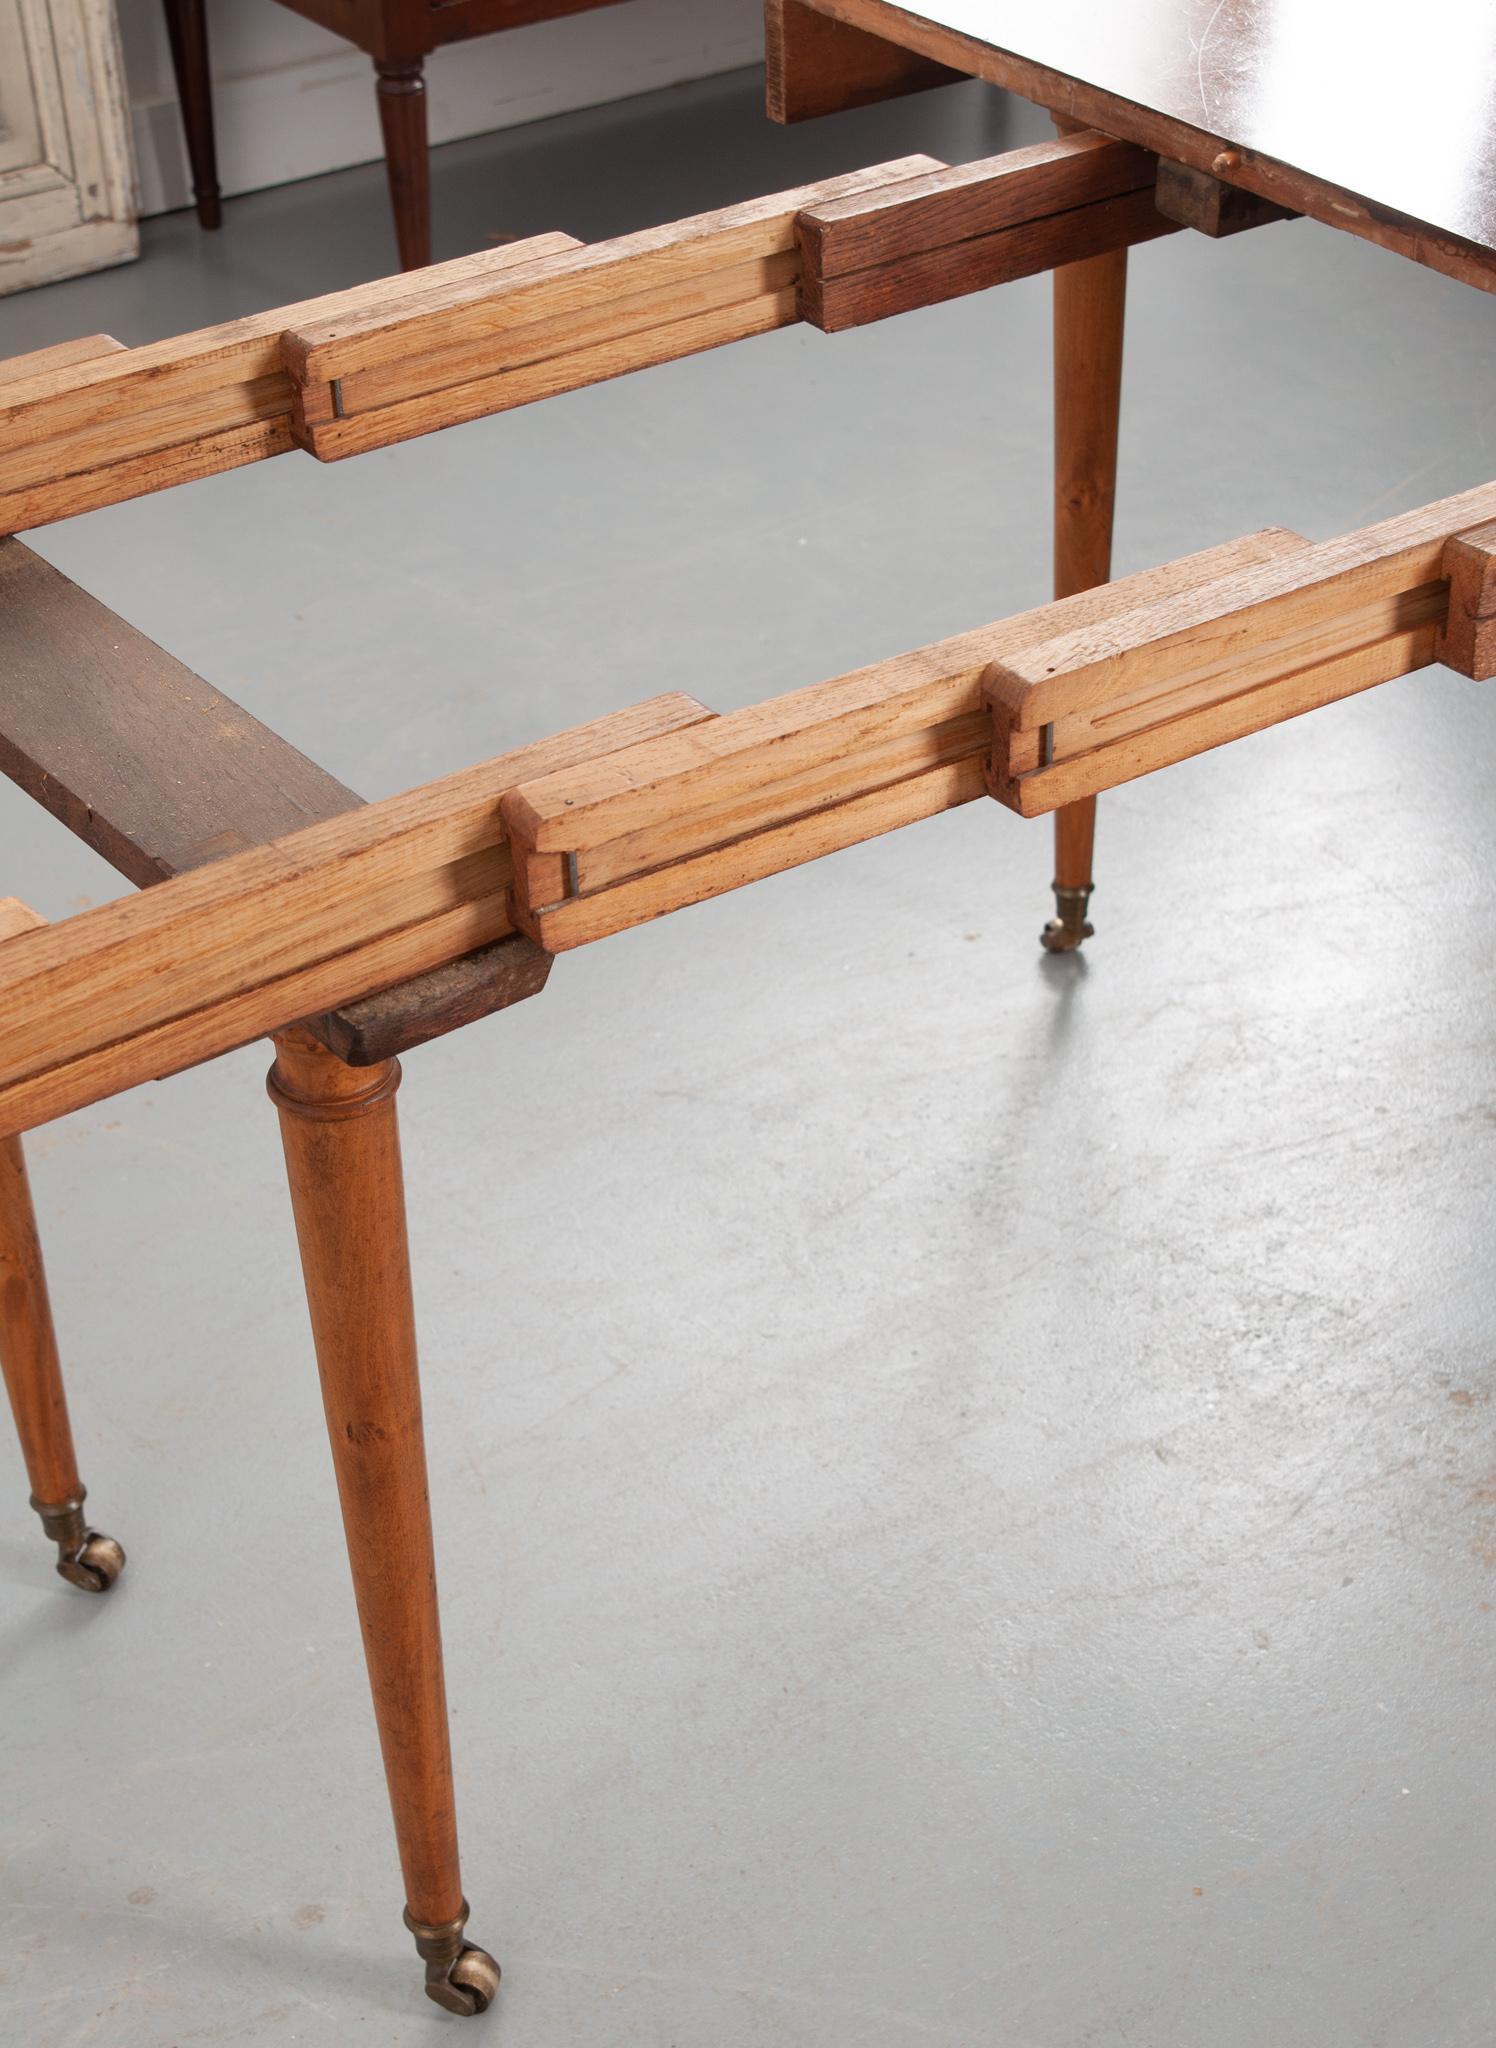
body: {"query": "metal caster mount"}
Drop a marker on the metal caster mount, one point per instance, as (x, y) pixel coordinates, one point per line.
(1065, 931)
(460, 1978)
(86, 1558)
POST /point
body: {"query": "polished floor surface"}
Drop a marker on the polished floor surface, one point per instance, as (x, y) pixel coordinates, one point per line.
(965, 1483)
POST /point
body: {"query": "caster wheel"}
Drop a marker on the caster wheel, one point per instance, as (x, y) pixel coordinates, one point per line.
(1064, 933)
(460, 1979)
(1059, 937)
(469, 1986)
(95, 1565)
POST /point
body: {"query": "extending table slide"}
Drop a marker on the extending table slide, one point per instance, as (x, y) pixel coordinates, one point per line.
(614, 823)
(406, 355)
(276, 902)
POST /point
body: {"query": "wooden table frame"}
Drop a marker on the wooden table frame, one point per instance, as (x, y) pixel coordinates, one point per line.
(351, 932)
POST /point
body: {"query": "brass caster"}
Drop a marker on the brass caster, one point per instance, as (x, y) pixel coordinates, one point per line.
(1065, 932)
(460, 1978)
(95, 1567)
(86, 1558)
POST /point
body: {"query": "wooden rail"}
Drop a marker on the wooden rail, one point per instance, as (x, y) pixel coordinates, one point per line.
(161, 773)
(1081, 712)
(404, 356)
(952, 231)
(144, 987)
(641, 813)
(667, 823)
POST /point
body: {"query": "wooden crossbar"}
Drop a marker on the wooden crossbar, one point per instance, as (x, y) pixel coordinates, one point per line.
(73, 438)
(144, 418)
(1083, 711)
(141, 988)
(618, 822)
(674, 821)
(457, 353)
(962, 229)
(161, 773)
(61, 355)
(404, 356)
(1078, 697)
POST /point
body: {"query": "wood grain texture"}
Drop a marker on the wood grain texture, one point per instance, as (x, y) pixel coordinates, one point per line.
(573, 282)
(342, 1146)
(352, 905)
(771, 851)
(815, 66)
(17, 917)
(973, 226)
(708, 809)
(406, 356)
(28, 1341)
(74, 436)
(160, 773)
(443, 999)
(960, 201)
(67, 495)
(1209, 205)
(1111, 225)
(1269, 641)
(144, 987)
(573, 319)
(524, 383)
(147, 763)
(1215, 720)
(29, 1358)
(1233, 90)
(1090, 305)
(616, 319)
(1467, 638)
(1246, 616)
(258, 1008)
(723, 759)
(77, 437)
(60, 356)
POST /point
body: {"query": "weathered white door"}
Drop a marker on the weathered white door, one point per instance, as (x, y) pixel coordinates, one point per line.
(67, 183)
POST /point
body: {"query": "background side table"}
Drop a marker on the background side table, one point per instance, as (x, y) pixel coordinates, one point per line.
(399, 35)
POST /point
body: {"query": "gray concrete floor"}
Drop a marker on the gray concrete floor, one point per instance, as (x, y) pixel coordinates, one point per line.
(965, 1483)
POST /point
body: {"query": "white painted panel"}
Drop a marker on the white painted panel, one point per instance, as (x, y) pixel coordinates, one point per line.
(66, 180)
(24, 85)
(293, 100)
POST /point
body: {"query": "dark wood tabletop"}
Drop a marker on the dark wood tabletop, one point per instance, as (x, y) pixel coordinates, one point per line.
(1379, 119)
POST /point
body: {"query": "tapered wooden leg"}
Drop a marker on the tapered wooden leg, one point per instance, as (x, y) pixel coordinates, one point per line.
(1089, 301)
(402, 118)
(187, 27)
(33, 1381)
(342, 1147)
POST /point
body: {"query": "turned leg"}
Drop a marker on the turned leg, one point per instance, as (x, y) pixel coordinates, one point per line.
(342, 1146)
(187, 27)
(33, 1380)
(1089, 299)
(402, 118)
